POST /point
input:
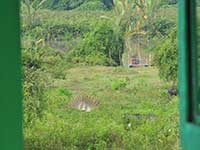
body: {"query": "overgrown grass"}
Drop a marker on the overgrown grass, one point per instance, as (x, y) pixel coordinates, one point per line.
(137, 116)
(134, 111)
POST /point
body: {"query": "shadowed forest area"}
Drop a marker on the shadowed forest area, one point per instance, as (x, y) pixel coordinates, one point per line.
(100, 74)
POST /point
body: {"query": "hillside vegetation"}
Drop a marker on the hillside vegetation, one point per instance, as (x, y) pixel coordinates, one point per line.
(79, 93)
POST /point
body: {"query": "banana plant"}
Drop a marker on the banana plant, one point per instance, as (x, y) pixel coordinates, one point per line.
(131, 15)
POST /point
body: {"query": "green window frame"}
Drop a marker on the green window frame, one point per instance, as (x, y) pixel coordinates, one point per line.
(188, 77)
(10, 77)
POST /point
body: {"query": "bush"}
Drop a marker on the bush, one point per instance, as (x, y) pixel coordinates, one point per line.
(64, 136)
(40, 64)
(119, 83)
(166, 57)
(73, 4)
(65, 92)
(100, 45)
(33, 86)
(90, 59)
(93, 5)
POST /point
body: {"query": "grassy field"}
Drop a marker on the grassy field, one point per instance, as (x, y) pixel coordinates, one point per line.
(134, 112)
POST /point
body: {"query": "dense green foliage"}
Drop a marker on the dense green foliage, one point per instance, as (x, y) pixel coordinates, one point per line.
(39, 66)
(169, 2)
(93, 5)
(166, 57)
(100, 47)
(59, 36)
(82, 4)
(34, 85)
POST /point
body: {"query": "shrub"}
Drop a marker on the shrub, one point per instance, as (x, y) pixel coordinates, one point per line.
(40, 64)
(65, 92)
(166, 57)
(64, 136)
(73, 4)
(91, 59)
(34, 83)
(93, 5)
(119, 83)
(100, 45)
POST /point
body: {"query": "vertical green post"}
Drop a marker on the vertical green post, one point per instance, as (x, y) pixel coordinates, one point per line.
(10, 77)
(189, 128)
